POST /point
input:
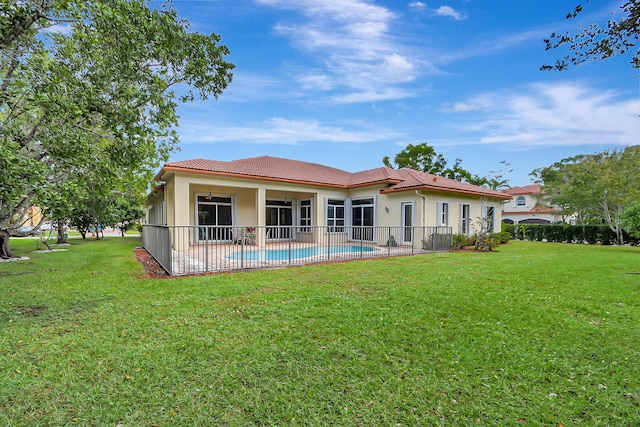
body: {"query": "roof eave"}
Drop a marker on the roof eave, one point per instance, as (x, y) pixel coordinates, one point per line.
(386, 181)
(445, 190)
(155, 190)
(371, 183)
(175, 169)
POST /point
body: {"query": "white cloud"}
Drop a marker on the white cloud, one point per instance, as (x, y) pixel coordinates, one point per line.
(450, 12)
(550, 115)
(64, 28)
(481, 102)
(382, 94)
(248, 87)
(459, 107)
(283, 131)
(352, 44)
(417, 6)
(316, 81)
(490, 45)
(398, 67)
(343, 10)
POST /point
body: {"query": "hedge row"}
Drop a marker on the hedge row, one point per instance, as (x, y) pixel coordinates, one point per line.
(566, 233)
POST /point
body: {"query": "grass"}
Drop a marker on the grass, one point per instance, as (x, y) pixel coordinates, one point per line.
(535, 334)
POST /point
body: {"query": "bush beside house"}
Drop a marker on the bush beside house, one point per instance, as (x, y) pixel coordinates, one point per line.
(565, 233)
(480, 242)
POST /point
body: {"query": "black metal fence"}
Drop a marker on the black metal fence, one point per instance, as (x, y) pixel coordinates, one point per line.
(185, 250)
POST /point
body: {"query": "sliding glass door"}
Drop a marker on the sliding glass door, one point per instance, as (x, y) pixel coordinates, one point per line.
(214, 218)
(362, 219)
(279, 219)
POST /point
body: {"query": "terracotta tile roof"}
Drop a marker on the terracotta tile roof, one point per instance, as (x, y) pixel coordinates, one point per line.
(540, 208)
(537, 209)
(527, 189)
(382, 175)
(294, 171)
(416, 180)
(266, 167)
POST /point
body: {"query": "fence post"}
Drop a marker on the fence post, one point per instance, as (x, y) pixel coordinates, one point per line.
(170, 239)
(243, 238)
(290, 237)
(206, 252)
(413, 242)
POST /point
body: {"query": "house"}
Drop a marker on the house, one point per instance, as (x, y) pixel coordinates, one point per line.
(282, 197)
(527, 206)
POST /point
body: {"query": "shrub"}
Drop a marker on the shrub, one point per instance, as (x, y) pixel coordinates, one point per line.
(513, 230)
(531, 231)
(591, 234)
(459, 241)
(631, 221)
(486, 242)
(607, 236)
(503, 237)
(554, 234)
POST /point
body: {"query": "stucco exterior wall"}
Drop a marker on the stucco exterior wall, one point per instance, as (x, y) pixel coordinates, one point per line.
(512, 205)
(169, 191)
(181, 190)
(533, 210)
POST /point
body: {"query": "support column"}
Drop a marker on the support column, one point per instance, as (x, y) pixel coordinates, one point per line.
(261, 208)
(182, 215)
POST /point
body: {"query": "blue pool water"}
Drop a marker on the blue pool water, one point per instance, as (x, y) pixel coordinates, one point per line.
(297, 253)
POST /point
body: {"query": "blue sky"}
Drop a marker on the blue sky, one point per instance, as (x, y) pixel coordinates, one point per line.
(346, 82)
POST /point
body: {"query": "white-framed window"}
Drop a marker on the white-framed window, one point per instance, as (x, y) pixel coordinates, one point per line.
(214, 216)
(305, 216)
(465, 218)
(279, 219)
(488, 217)
(335, 215)
(362, 213)
(406, 221)
(443, 213)
(156, 214)
(521, 201)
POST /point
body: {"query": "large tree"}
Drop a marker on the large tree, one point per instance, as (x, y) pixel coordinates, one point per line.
(630, 220)
(423, 157)
(88, 97)
(599, 186)
(596, 42)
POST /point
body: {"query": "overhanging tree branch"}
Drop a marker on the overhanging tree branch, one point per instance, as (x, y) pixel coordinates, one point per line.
(599, 42)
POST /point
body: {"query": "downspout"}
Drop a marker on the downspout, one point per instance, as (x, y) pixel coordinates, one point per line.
(424, 207)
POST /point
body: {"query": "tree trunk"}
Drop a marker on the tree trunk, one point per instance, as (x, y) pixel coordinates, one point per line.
(610, 221)
(62, 237)
(620, 236)
(5, 252)
(97, 228)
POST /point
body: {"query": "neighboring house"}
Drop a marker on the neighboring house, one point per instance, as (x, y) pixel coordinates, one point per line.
(34, 216)
(527, 207)
(275, 193)
(31, 219)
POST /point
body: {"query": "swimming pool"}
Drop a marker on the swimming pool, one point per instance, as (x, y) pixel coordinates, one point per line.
(298, 253)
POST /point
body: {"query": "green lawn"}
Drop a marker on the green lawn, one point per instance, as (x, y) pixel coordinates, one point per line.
(534, 334)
